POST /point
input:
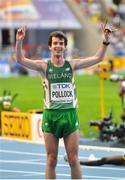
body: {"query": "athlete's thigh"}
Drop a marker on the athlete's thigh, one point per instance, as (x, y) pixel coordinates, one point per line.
(71, 143)
(51, 143)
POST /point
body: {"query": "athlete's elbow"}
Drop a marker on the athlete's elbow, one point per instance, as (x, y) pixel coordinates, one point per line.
(19, 59)
(98, 59)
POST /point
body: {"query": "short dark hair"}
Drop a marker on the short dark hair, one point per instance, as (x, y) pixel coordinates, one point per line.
(58, 34)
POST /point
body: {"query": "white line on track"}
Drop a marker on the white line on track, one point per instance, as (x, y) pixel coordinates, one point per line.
(60, 165)
(34, 154)
(59, 174)
(30, 172)
(25, 153)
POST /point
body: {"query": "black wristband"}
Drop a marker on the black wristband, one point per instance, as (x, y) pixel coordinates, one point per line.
(106, 43)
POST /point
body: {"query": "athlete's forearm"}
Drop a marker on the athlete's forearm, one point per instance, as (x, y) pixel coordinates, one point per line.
(106, 41)
(101, 52)
(19, 53)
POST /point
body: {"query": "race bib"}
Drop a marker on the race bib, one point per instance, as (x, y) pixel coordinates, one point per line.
(62, 92)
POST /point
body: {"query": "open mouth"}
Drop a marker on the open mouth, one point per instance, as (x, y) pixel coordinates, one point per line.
(58, 50)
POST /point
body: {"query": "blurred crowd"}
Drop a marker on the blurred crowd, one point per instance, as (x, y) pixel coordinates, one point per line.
(8, 64)
(111, 10)
(98, 12)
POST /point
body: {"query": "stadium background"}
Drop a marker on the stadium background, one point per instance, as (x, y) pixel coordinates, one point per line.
(80, 20)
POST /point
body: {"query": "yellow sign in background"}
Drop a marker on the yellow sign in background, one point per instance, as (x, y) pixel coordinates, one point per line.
(16, 125)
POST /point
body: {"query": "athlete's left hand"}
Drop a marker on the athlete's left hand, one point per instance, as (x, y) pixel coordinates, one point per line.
(106, 30)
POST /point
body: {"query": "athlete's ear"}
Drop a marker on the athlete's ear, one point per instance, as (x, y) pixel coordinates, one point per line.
(65, 48)
(50, 48)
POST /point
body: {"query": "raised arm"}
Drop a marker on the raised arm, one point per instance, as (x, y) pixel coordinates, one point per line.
(37, 65)
(80, 63)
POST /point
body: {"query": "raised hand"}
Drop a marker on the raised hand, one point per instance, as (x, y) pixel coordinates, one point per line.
(106, 30)
(20, 33)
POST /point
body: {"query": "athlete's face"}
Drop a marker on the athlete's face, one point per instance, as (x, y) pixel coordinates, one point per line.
(57, 46)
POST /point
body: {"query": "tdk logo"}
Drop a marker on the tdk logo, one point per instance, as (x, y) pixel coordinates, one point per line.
(61, 86)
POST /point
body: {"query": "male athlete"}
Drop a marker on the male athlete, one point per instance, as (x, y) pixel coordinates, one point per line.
(60, 117)
(110, 160)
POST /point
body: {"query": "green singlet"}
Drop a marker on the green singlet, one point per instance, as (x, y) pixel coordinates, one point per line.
(60, 102)
(59, 87)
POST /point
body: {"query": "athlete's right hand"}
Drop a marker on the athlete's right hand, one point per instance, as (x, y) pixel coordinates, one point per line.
(20, 33)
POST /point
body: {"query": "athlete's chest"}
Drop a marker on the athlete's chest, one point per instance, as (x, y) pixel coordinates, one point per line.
(59, 74)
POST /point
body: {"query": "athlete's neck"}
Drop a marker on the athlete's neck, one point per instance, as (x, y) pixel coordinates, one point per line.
(57, 61)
